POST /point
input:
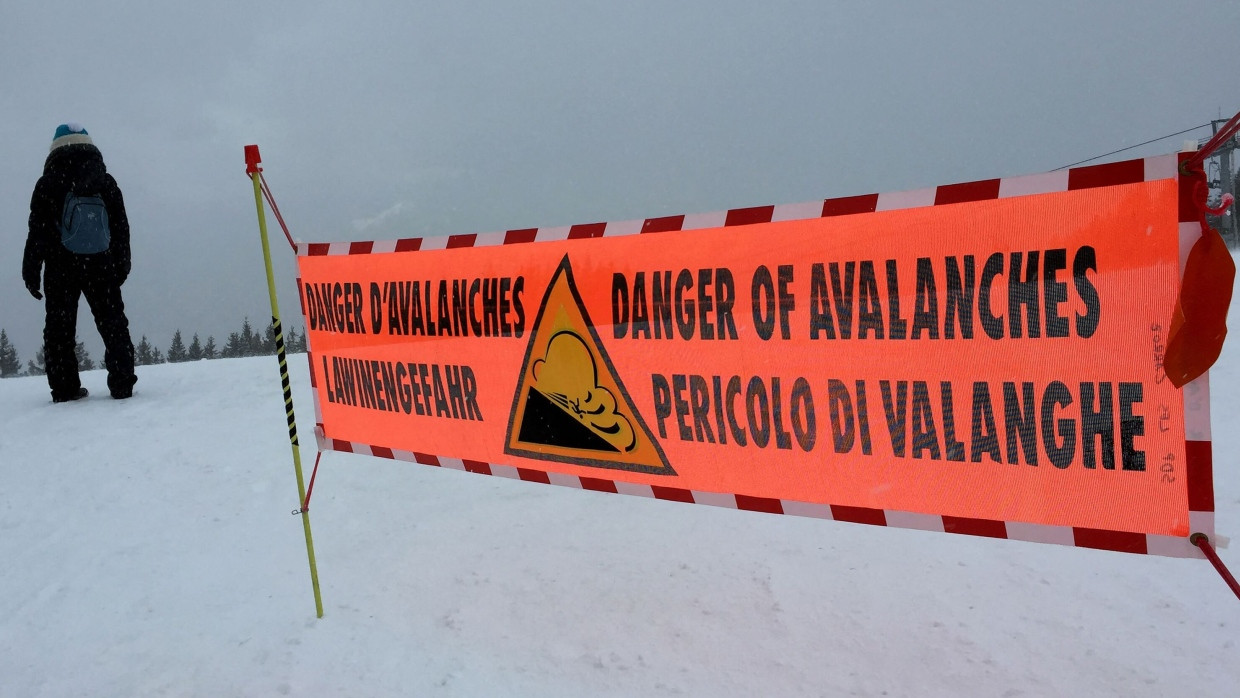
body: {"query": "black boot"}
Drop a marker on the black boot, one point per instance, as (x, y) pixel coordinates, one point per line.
(123, 387)
(81, 393)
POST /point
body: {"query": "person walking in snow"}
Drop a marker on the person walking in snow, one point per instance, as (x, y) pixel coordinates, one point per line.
(79, 233)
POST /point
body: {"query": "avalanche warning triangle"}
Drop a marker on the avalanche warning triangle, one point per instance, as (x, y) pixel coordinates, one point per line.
(570, 405)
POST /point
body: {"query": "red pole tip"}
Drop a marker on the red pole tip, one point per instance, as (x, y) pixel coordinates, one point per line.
(252, 158)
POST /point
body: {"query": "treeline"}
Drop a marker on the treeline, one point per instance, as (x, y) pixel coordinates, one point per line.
(246, 342)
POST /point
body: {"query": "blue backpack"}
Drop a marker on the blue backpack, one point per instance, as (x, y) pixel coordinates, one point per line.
(84, 225)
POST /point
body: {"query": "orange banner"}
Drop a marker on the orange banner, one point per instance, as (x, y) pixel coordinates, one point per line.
(997, 359)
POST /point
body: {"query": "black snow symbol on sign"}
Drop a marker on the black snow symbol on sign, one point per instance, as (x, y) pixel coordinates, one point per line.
(567, 377)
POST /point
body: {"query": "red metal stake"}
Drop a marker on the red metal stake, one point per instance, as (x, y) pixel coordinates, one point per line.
(305, 505)
(252, 161)
(1202, 541)
(1231, 128)
(276, 210)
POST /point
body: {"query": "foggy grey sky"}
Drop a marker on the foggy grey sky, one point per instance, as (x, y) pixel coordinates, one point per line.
(381, 120)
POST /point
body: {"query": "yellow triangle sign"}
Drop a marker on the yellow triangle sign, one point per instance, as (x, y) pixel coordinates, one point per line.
(570, 405)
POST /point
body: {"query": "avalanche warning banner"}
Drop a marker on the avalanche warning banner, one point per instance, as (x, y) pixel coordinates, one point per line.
(980, 358)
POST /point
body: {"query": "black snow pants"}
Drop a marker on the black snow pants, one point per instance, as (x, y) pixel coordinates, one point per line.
(63, 285)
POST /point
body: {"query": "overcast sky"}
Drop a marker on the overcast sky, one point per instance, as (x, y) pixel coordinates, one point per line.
(381, 120)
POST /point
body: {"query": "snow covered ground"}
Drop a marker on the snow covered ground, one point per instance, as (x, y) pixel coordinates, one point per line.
(147, 549)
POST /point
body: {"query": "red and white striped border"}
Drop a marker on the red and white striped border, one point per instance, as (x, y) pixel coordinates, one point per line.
(1170, 546)
(1199, 461)
(1127, 172)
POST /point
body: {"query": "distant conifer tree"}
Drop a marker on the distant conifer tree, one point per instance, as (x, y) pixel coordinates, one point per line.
(84, 362)
(266, 345)
(10, 365)
(294, 343)
(195, 350)
(144, 353)
(36, 366)
(176, 351)
(234, 347)
(247, 343)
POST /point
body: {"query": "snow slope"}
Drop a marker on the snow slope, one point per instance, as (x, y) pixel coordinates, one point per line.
(147, 549)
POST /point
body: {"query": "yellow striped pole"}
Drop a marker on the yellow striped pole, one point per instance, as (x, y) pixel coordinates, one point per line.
(252, 159)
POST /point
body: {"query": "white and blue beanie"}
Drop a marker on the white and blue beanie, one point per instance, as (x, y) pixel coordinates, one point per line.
(70, 134)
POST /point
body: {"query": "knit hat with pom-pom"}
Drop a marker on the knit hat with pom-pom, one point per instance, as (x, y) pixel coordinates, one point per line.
(70, 134)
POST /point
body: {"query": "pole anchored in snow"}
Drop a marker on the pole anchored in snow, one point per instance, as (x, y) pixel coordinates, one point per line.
(252, 160)
(1202, 541)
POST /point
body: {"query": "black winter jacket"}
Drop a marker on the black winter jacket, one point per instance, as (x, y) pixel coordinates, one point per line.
(78, 168)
